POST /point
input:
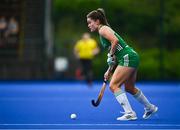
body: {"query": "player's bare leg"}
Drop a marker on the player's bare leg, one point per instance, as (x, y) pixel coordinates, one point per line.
(138, 95)
(120, 75)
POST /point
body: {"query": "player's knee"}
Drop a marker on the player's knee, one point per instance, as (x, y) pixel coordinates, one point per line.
(113, 87)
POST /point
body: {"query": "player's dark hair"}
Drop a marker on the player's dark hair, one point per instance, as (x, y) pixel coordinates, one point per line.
(98, 14)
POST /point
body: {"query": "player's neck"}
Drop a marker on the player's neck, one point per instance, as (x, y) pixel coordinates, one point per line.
(99, 27)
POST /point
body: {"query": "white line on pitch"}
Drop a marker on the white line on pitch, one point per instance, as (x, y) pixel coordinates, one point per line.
(107, 124)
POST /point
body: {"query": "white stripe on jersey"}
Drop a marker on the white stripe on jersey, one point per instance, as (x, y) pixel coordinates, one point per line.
(119, 47)
(126, 60)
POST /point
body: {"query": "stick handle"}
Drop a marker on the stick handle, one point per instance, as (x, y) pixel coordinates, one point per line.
(105, 81)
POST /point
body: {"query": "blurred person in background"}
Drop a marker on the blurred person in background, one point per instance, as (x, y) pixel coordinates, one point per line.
(12, 30)
(3, 27)
(125, 72)
(85, 49)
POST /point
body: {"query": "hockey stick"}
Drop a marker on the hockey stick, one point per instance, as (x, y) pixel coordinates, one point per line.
(101, 93)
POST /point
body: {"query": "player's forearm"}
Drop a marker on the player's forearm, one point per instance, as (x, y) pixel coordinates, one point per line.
(113, 48)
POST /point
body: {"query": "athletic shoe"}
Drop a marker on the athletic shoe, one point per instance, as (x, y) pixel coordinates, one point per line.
(127, 116)
(150, 111)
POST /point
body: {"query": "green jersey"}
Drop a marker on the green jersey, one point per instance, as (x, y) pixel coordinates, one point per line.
(125, 55)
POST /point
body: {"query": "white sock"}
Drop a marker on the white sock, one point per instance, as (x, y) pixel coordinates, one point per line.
(123, 101)
(142, 99)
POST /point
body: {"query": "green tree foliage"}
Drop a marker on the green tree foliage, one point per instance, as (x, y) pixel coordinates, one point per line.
(137, 21)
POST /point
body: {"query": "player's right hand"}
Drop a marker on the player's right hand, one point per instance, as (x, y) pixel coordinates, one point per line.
(111, 59)
(107, 75)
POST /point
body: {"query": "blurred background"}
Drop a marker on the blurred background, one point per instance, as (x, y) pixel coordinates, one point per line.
(37, 37)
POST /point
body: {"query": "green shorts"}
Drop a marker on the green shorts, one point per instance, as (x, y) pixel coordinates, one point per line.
(128, 57)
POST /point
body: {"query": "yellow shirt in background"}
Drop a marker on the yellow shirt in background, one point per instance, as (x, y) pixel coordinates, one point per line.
(85, 48)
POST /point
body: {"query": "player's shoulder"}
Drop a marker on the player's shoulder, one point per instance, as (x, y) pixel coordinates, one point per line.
(79, 43)
(104, 29)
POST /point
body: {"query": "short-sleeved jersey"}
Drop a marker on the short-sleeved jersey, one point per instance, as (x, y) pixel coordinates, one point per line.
(125, 55)
(85, 48)
(105, 43)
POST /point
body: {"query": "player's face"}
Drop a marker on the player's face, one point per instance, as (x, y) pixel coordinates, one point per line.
(92, 24)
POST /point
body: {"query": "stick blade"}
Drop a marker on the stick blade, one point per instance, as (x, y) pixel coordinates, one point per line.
(101, 93)
(95, 104)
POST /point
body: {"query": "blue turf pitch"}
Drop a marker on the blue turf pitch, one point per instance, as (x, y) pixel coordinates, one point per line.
(48, 105)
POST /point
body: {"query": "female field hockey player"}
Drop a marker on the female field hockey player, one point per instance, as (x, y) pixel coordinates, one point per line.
(126, 70)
